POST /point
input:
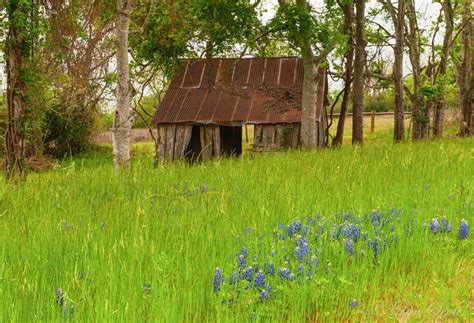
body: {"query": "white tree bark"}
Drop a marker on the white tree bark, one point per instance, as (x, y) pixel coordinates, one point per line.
(123, 114)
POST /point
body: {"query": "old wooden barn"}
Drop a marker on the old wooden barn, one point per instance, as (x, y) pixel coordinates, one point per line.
(207, 103)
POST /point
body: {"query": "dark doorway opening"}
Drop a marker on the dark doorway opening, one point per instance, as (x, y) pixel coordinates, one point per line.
(231, 141)
(193, 151)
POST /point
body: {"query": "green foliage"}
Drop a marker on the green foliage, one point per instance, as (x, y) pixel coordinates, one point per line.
(380, 102)
(304, 26)
(67, 131)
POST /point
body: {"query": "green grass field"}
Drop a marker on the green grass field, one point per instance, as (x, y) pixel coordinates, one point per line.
(144, 245)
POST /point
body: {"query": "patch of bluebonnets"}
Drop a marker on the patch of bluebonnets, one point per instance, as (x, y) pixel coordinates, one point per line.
(303, 264)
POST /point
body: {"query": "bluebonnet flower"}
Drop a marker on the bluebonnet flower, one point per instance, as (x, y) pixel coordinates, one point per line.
(282, 236)
(260, 279)
(270, 269)
(274, 252)
(306, 229)
(375, 245)
(242, 263)
(434, 226)
(280, 227)
(264, 295)
(364, 236)
(247, 230)
(248, 275)
(244, 251)
(59, 297)
(350, 246)
(233, 278)
(354, 303)
(446, 226)
(297, 225)
(290, 230)
(218, 280)
(463, 229)
(392, 228)
(301, 249)
(284, 273)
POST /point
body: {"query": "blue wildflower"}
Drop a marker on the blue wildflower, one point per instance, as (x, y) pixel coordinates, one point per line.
(274, 253)
(282, 236)
(290, 230)
(270, 269)
(218, 280)
(233, 278)
(260, 279)
(354, 303)
(248, 275)
(301, 249)
(284, 273)
(375, 245)
(244, 251)
(280, 227)
(247, 230)
(242, 263)
(350, 246)
(446, 226)
(59, 297)
(297, 225)
(264, 295)
(434, 226)
(463, 229)
(392, 228)
(306, 229)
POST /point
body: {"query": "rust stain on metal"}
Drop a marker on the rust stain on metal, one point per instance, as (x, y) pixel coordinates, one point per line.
(237, 91)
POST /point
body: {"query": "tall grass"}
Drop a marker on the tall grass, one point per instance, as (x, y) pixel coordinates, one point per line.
(144, 245)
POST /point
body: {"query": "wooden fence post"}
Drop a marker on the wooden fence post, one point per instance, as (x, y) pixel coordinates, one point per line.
(246, 134)
(372, 121)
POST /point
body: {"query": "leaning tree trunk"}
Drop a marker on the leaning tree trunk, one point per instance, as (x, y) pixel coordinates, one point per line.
(441, 104)
(359, 75)
(123, 114)
(466, 71)
(16, 88)
(348, 10)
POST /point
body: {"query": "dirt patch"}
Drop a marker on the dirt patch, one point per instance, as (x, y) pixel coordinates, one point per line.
(137, 135)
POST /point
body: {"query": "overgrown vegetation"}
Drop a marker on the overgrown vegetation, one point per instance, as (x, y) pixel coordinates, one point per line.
(144, 245)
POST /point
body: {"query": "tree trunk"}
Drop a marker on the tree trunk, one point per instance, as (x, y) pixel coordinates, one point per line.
(441, 105)
(466, 71)
(123, 113)
(348, 10)
(399, 117)
(308, 113)
(16, 88)
(420, 116)
(359, 75)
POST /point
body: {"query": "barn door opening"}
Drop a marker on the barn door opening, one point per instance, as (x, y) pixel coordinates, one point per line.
(193, 151)
(231, 141)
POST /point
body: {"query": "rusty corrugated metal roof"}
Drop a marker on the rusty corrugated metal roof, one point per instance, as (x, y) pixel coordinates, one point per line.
(230, 91)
